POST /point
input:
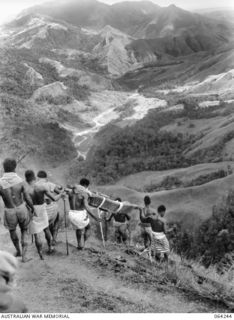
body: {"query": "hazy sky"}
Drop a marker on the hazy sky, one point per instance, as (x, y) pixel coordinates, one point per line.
(10, 8)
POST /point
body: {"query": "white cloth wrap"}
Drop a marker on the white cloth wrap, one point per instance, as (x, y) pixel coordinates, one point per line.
(118, 224)
(79, 219)
(40, 221)
(160, 243)
(52, 210)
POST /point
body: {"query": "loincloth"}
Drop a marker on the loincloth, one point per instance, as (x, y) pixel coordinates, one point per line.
(118, 224)
(52, 211)
(79, 219)
(40, 221)
(160, 243)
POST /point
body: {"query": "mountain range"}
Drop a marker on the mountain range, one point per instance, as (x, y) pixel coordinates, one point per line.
(83, 80)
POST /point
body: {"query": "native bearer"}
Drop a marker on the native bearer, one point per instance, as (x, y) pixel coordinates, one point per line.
(13, 191)
(121, 225)
(8, 303)
(146, 227)
(79, 211)
(37, 191)
(51, 206)
(160, 244)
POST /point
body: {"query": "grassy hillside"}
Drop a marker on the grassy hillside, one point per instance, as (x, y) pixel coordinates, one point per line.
(143, 180)
(172, 72)
(187, 206)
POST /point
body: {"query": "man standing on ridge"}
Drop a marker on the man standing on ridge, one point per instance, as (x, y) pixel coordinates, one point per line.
(146, 227)
(160, 244)
(51, 206)
(37, 191)
(121, 225)
(79, 210)
(13, 191)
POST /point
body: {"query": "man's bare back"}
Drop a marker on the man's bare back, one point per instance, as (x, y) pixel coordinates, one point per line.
(76, 202)
(15, 196)
(38, 191)
(13, 191)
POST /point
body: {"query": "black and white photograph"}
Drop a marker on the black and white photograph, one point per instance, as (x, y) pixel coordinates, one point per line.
(116, 158)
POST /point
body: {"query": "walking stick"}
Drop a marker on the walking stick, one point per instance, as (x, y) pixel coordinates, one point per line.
(100, 223)
(65, 216)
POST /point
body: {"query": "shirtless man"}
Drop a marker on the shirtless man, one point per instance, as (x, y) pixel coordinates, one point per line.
(121, 220)
(13, 191)
(146, 227)
(78, 215)
(51, 206)
(37, 191)
(160, 244)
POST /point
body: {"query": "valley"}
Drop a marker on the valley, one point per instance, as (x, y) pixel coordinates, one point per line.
(139, 99)
(101, 84)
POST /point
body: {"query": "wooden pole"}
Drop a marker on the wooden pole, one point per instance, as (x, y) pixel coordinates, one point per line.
(100, 223)
(65, 216)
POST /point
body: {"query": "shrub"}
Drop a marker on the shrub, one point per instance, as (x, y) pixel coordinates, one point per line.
(213, 242)
(206, 178)
(169, 182)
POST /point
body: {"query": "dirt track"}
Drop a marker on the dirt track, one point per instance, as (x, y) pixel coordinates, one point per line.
(98, 281)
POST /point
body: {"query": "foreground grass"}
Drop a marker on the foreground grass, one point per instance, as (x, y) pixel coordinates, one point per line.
(192, 277)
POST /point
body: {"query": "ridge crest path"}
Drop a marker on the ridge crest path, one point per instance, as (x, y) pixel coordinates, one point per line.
(95, 281)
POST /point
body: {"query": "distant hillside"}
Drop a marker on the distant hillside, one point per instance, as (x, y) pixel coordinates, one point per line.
(177, 71)
(70, 68)
(166, 138)
(189, 206)
(149, 180)
(171, 30)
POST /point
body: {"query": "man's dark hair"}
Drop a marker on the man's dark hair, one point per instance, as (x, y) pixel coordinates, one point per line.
(29, 176)
(42, 174)
(118, 199)
(84, 182)
(161, 208)
(9, 165)
(147, 200)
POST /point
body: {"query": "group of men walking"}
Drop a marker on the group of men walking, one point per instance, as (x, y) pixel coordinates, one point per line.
(32, 204)
(25, 205)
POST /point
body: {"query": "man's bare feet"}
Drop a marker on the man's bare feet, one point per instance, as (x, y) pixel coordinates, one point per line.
(24, 260)
(54, 242)
(51, 250)
(41, 256)
(18, 254)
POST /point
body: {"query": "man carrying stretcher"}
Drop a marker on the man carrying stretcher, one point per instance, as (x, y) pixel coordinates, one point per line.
(121, 225)
(79, 211)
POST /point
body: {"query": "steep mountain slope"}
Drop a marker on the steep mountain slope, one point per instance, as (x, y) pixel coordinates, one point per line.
(95, 14)
(171, 30)
(86, 13)
(69, 62)
(177, 71)
(111, 51)
(105, 49)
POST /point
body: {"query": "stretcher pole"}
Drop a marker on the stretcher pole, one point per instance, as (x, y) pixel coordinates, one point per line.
(101, 229)
(65, 218)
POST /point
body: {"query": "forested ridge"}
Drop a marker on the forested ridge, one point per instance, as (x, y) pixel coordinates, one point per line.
(122, 151)
(147, 146)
